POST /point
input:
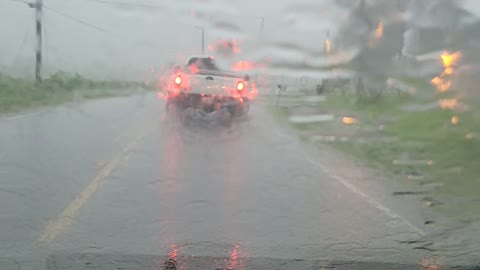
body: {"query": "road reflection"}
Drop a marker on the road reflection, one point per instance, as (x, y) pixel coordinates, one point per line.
(236, 262)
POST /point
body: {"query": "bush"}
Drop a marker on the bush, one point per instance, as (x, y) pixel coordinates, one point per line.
(18, 94)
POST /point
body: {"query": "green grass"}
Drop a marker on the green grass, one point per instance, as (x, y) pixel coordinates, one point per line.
(431, 136)
(417, 83)
(18, 94)
(416, 136)
(368, 109)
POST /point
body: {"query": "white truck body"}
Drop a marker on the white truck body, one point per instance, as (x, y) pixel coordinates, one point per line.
(201, 76)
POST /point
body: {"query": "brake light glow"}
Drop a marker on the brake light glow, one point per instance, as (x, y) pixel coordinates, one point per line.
(178, 80)
(240, 86)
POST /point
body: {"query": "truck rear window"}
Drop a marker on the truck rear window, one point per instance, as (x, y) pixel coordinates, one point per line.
(202, 63)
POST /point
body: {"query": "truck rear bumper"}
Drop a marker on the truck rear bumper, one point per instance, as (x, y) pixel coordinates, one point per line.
(208, 103)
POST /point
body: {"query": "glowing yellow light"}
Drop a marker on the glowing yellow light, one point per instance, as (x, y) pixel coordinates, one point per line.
(379, 30)
(441, 84)
(348, 120)
(454, 120)
(328, 46)
(450, 59)
(448, 71)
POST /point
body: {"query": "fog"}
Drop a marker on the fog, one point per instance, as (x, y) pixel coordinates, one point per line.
(354, 141)
(125, 39)
(102, 39)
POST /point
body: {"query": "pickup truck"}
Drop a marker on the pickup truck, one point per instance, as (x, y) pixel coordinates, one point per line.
(200, 86)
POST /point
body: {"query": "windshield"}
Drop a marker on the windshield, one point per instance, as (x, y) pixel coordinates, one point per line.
(209, 134)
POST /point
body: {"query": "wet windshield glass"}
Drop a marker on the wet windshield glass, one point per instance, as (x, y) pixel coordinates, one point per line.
(209, 134)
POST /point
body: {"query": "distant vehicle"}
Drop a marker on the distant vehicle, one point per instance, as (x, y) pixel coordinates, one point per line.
(201, 89)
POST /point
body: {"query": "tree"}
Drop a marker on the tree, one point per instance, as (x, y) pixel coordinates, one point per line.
(373, 30)
(433, 25)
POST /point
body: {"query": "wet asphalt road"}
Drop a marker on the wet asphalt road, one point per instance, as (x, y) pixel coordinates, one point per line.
(114, 176)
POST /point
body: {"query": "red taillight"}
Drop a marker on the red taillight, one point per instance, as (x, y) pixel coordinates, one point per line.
(178, 80)
(240, 86)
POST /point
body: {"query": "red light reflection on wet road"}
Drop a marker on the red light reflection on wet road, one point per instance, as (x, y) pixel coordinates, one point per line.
(235, 262)
(173, 252)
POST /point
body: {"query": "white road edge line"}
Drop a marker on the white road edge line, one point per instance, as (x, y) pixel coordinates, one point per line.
(389, 212)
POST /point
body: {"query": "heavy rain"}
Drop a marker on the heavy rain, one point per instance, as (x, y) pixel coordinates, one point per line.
(209, 134)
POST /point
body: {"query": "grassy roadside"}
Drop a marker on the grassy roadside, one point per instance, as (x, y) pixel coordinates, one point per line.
(438, 149)
(17, 94)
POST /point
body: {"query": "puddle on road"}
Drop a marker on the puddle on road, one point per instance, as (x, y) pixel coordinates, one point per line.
(307, 119)
(326, 138)
(355, 139)
(445, 104)
(315, 99)
(404, 193)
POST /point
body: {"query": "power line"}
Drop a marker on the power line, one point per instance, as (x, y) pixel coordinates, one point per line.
(38, 6)
(22, 45)
(123, 4)
(126, 4)
(75, 19)
(20, 1)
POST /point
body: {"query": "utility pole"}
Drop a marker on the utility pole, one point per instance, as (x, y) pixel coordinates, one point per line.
(203, 40)
(328, 43)
(262, 24)
(38, 56)
(203, 37)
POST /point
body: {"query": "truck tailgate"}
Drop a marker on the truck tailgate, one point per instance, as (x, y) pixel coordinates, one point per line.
(212, 85)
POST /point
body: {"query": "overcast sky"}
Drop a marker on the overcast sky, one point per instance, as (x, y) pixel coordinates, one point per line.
(125, 40)
(101, 39)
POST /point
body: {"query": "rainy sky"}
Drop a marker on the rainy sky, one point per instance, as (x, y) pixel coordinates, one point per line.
(100, 38)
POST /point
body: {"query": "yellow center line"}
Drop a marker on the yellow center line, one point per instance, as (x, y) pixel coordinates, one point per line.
(58, 225)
